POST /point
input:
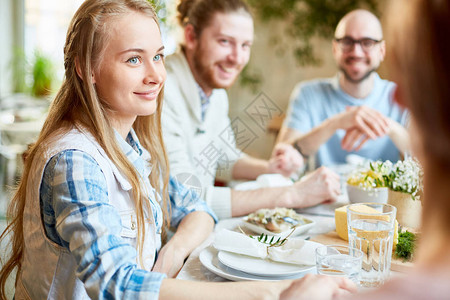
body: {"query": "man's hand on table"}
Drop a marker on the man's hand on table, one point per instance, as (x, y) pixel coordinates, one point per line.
(285, 160)
(319, 287)
(321, 186)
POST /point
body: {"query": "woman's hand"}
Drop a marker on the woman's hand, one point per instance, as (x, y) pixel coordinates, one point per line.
(191, 232)
(319, 287)
(170, 260)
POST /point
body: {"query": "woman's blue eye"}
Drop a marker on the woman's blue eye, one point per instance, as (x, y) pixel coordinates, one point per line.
(158, 57)
(134, 60)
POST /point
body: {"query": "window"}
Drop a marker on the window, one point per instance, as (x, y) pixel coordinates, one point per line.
(45, 28)
(46, 23)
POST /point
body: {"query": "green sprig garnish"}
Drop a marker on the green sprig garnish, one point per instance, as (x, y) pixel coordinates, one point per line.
(264, 238)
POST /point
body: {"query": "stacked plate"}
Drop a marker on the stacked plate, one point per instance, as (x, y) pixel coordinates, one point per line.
(239, 267)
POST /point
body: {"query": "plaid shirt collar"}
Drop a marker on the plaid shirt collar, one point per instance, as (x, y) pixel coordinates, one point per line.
(134, 151)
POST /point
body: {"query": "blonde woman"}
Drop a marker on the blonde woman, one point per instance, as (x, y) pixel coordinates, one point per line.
(88, 198)
(95, 196)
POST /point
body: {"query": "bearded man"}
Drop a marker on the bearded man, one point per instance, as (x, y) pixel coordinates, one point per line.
(353, 112)
(200, 143)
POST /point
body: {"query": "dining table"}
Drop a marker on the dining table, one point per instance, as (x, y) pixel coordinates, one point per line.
(322, 215)
(324, 223)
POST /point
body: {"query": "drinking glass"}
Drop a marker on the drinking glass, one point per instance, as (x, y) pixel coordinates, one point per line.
(371, 230)
(337, 260)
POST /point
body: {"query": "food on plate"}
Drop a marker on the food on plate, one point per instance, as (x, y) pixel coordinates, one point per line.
(371, 176)
(340, 217)
(276, 220)
(366, 179)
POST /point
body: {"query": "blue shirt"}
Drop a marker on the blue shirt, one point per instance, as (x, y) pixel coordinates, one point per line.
(315, 101)
(73, 191)
(204, 100)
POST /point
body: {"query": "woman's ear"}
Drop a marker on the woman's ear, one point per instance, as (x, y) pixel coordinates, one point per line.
(79, 73)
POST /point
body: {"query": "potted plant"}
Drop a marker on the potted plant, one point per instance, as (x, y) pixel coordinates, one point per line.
(43, 76)
(405, 184)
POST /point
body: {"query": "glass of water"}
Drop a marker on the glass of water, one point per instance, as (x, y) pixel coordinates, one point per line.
(337, 260)
(371, 230)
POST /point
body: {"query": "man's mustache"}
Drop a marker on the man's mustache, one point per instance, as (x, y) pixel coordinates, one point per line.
(356, 59)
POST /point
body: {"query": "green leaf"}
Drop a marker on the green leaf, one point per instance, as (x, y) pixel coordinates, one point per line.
(261, 237)
(405, 246)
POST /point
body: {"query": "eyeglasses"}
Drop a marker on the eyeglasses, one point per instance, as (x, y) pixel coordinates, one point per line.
(347, 43)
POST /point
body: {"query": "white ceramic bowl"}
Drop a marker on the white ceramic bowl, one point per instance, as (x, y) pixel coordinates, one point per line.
(358, 195)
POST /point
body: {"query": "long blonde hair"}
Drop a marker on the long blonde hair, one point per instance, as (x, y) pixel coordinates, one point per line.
(77, 105)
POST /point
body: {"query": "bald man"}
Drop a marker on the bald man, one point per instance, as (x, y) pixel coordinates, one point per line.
(354, 111)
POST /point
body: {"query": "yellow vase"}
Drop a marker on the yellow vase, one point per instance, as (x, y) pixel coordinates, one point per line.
(409, 211)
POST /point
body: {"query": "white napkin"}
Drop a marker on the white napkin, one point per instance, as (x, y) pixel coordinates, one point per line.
(294, 251)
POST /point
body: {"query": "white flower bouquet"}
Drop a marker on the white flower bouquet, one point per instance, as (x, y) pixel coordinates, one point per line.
(403, 176)
(406, 177)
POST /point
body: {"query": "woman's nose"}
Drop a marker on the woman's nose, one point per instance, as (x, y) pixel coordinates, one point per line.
(155, 74)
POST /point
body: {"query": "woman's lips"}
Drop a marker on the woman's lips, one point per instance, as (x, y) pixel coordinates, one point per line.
(149, 95)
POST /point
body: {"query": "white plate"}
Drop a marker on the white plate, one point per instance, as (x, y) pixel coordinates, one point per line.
(298, 230)
(208, 258)
(260, 267)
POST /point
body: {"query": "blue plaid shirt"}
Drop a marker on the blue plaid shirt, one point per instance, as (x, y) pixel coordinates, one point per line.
(77, 215)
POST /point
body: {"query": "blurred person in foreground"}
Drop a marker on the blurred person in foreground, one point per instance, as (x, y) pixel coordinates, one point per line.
(420, 65)
(353, 112)
(218, 35)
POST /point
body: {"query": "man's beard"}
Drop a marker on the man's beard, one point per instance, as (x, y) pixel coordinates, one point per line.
(206, 73)
(203, 71)
(359, 80)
